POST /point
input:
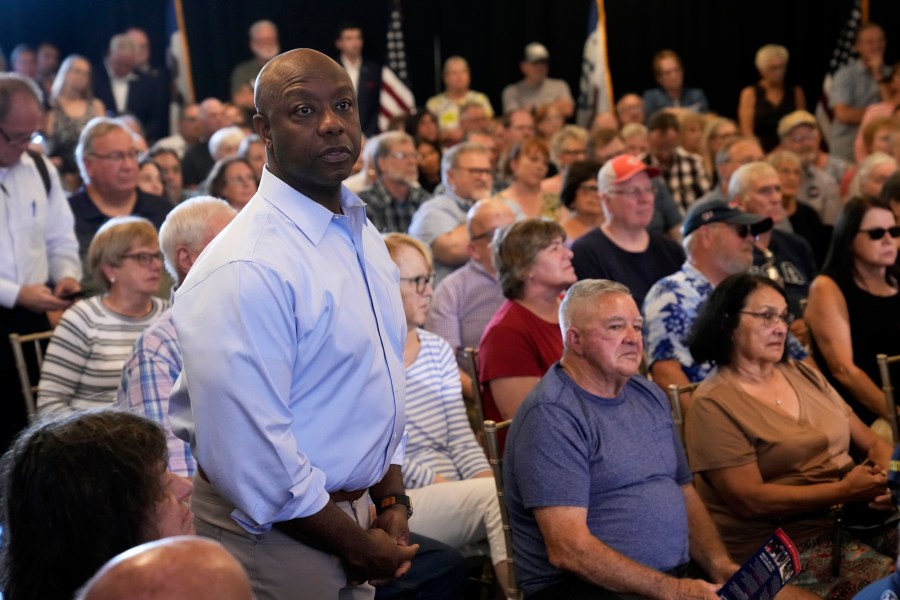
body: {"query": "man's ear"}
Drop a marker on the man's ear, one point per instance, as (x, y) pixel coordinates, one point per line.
(262, 128)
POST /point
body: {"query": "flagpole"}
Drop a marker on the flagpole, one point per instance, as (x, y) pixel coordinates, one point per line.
(185, 51)
(865, 11)
(601, 26)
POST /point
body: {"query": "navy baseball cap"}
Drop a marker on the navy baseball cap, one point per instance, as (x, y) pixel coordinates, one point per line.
(716, 211)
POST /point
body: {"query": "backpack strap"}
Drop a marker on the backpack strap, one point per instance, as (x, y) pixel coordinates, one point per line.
(41, 167)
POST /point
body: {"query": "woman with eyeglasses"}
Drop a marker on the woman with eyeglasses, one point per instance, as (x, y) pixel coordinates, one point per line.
(854, 307)
(770, 443)
(445, 471)
(233, 180)
(581, 196)
(95, 336)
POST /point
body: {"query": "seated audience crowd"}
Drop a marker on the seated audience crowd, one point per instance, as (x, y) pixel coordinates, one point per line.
(589, 266)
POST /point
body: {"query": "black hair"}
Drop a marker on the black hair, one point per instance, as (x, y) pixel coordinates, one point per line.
(712, 336)
(840, 262)
(576, 174)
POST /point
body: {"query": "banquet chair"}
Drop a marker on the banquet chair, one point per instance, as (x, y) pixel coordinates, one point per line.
(496, 462)
(883, 361)
(674, 393)
(19, 345)
(474, 407)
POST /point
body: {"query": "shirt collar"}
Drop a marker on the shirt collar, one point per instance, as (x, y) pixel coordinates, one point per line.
(310, 217)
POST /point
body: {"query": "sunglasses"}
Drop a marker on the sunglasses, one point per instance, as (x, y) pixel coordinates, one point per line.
(876, 233)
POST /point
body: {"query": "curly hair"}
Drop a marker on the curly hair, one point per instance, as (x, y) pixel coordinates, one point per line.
(75, 492)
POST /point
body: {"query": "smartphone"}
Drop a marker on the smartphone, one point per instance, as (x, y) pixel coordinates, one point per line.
(72, 295)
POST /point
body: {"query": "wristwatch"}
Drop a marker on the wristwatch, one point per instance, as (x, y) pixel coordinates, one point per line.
(382, 504)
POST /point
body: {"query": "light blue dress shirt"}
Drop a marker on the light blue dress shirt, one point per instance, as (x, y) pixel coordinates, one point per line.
(292, 331)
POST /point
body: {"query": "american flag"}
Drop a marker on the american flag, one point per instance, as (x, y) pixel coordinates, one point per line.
(843, 54)
(596, 94)
(396, 98)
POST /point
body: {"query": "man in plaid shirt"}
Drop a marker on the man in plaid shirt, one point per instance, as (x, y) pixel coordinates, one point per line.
(682, 171)
(395, 195)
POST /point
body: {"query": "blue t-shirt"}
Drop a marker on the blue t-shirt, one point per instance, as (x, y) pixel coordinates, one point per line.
(618, 457)
(887, 588)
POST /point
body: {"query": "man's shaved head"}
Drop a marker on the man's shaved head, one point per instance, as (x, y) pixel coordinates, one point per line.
(278, 72)
(307, 116)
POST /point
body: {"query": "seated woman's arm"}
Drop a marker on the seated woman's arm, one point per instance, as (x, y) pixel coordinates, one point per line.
(67, 354)
(869, 444)
(509, 392)
(829, 320)
(749, 496)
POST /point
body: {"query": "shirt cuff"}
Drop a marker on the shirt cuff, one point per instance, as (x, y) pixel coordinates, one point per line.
(400, 452)
(9, 291)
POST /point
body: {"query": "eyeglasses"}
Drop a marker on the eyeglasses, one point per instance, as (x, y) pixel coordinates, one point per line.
(117, 157)
(473, 171)
(799, 138)
(771, 319)
(422, 281)
(144, 258)
(16, 140)
(404, 155)
(488, 235)
(574, 152)
(588, 187)
(634, 192)
(876, 233)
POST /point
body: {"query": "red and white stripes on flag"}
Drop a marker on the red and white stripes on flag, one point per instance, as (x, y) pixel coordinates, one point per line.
(843, 54)
(596, 94)
(396, 98)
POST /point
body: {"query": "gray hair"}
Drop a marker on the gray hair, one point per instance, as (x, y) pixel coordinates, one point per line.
(724, 153)
(96, 128)
(13, 84)
(585, 293)
(451, 157)
(633, 129)
(568, 132)
(232, 134)
(747, 174)
(187, 225)
(248, 141)
(384, 143)
(872, 162)
(765, 54)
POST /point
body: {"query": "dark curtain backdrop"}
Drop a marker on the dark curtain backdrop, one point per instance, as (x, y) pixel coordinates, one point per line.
(716, 38)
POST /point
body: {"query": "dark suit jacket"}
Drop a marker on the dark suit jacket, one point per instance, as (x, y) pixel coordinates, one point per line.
(367, 96)
(148, 100)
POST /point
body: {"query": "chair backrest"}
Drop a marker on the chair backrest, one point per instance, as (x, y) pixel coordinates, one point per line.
(29, 389)
(675, 392)
(883, 361)
(496, 461)
(470, 357)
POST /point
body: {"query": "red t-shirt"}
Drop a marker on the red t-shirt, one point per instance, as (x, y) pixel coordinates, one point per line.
(516, 343)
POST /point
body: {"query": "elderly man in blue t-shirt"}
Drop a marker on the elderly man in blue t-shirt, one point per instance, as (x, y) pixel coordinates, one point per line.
(598, 488)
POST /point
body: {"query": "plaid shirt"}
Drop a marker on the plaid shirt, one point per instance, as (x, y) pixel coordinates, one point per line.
(686, 177)
(387, 214)
(147, 380)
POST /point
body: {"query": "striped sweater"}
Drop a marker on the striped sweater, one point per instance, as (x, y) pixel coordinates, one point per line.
(441, 441)
(84, 359)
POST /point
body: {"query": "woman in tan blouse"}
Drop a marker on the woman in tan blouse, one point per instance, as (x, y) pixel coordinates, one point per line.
(770, 443)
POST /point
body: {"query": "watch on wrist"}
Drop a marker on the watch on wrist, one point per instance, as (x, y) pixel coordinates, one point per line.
(382, 504)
